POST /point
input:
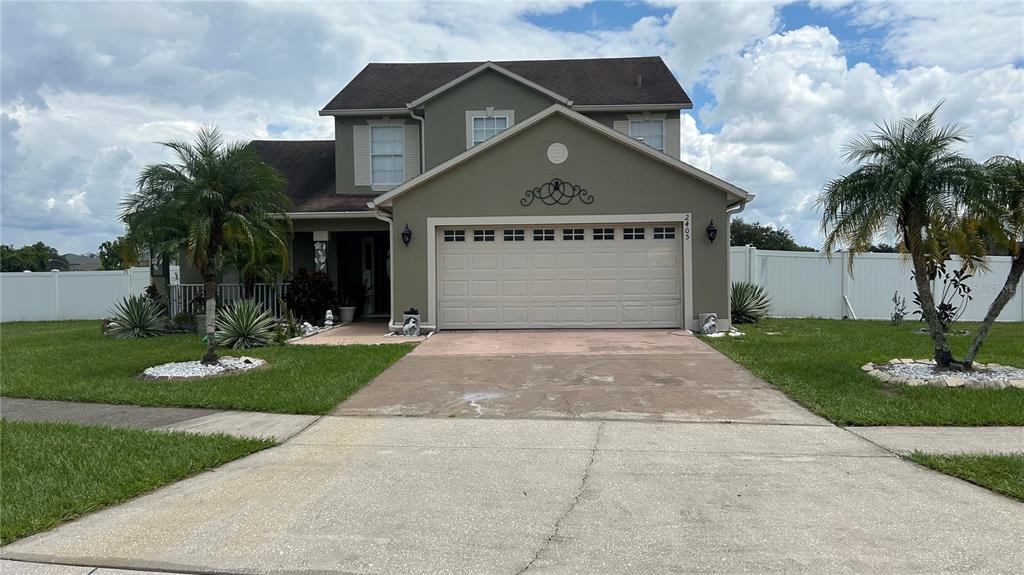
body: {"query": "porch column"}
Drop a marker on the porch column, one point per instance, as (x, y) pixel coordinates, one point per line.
(320, 250)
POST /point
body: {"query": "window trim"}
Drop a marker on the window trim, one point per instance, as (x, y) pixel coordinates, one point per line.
(487, 113)
(647, 118)
(391, 123)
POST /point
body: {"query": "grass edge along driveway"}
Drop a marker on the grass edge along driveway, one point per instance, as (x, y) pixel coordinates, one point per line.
(999, 472)
(54, 472)
(817, 363)
(73, 361)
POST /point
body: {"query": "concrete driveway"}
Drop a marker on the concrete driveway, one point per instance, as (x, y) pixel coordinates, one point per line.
(422, 495)
(651, 375)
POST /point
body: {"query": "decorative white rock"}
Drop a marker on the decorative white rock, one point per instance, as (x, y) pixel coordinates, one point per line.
(197, 370)
(919, 372)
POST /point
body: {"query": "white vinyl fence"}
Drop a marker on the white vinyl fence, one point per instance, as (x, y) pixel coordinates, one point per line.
(40, 296)
(807, 284)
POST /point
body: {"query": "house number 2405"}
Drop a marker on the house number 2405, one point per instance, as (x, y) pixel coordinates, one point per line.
(686, 227)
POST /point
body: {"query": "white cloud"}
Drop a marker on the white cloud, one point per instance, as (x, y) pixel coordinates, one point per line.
(88, 88)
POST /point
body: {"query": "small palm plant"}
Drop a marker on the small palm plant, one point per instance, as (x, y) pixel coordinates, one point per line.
(749, 303)
(136, 317)
(245, 324)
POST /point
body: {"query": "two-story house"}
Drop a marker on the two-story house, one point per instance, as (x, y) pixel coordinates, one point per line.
(526, 194)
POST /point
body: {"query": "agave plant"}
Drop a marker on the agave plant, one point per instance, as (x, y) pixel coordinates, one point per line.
(245, 324)
(749, 303)
(136, 317)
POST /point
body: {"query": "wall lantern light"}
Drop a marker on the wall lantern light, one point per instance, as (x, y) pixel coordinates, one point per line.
(406, 235)
(712, 231)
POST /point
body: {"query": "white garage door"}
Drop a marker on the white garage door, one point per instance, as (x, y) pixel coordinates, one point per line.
(615, 275)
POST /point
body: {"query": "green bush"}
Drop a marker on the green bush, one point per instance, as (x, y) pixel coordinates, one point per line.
(245, 324)
(749, 303)
(310, 295)
(136, 317)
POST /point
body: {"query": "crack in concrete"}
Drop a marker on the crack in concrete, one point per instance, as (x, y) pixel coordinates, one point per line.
(572, 504)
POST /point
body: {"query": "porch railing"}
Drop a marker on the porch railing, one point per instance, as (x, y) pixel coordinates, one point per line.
(183, 297)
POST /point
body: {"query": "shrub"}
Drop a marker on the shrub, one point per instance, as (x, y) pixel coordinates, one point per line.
(749, 303)
(136, 317)
(310, 295)
(245, 324)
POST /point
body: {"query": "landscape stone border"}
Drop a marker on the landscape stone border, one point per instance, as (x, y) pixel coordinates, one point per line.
(983, 375)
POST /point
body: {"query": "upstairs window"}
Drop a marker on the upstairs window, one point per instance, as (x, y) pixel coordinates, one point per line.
(486, 128)
(482, 125)
(650, 132)
(387, 161)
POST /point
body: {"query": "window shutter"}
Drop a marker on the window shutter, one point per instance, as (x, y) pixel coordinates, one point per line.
(361, 154)
(672, 137)
(412, 151)
(621, 126)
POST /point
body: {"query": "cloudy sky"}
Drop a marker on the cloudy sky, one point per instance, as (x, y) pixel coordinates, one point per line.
(86, 88)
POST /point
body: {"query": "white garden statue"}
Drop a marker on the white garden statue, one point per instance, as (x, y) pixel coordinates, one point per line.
(329, 319)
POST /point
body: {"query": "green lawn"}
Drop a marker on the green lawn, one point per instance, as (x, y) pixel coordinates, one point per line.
(71, 360)
(818, 363)
(53, 472)
(1003, 473)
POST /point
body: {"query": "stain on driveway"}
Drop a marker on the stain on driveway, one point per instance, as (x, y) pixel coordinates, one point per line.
(573, 374)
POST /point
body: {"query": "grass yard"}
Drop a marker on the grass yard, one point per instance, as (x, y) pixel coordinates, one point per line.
(54, 472)
(72, 360)
(1002, 473)
(817, 363)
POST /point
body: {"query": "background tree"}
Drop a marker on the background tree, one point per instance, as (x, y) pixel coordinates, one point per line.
(37, 257)
(216, 196)
(910, 180)
(763, 237)
(259, 263)
(117, 255)
(1003, 224)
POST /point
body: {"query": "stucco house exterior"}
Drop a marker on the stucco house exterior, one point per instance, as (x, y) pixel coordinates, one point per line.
(525, 194)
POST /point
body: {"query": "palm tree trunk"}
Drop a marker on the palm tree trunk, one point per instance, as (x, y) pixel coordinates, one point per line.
(1003, 298)
(943, 355)
(210, 283)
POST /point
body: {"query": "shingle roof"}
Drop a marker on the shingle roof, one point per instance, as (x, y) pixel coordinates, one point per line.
(598, 81)
(309, 167)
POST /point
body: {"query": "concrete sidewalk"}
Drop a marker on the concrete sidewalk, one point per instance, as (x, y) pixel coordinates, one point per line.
(279, 427)
(29, 568)
(945, 440)
(418, 495)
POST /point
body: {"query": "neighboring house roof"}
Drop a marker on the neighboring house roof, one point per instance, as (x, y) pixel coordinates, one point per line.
(309, 167)
(737, 194)
(586, 82)
(82, 263)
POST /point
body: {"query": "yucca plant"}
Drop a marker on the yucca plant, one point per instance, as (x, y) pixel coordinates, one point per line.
(136, 317)
(245, 324)
(749, 303)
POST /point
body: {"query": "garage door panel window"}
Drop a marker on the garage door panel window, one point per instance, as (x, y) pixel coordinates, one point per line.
(515, 235)
(455, 235)
(483, 235)
(664, 233)
(632, 233)
(572, 234)
(543, 235)
(604, 233)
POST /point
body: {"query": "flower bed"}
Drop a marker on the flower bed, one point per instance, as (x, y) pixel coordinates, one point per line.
(918, 372)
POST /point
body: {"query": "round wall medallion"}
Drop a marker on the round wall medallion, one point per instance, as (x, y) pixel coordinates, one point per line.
(557, 153)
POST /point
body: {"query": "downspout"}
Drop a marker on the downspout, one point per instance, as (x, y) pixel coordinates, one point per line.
(423, 138)
(386, 217)
(731, 210)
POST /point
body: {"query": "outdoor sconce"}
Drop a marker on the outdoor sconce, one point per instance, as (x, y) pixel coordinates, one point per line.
(712, 231)
(406, 235)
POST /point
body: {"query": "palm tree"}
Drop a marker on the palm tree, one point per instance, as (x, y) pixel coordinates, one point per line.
(216, 196)
(257, 263)
(1004, 222)
(912, 181)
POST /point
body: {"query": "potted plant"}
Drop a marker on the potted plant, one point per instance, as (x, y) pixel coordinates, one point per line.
(347, 301)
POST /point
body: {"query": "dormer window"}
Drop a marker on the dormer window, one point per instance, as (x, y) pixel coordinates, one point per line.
(649, 131)
(482, 125)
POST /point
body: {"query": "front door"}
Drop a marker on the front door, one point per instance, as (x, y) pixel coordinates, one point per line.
(368, 275)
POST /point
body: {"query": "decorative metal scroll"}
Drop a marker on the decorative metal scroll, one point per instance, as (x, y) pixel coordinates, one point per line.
(557, 192)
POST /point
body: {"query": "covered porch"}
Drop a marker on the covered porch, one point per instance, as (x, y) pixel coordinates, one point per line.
(354, 249)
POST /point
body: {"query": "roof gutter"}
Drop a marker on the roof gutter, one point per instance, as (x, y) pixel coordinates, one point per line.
(632, 107)
(327, 215)
(362, 112)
